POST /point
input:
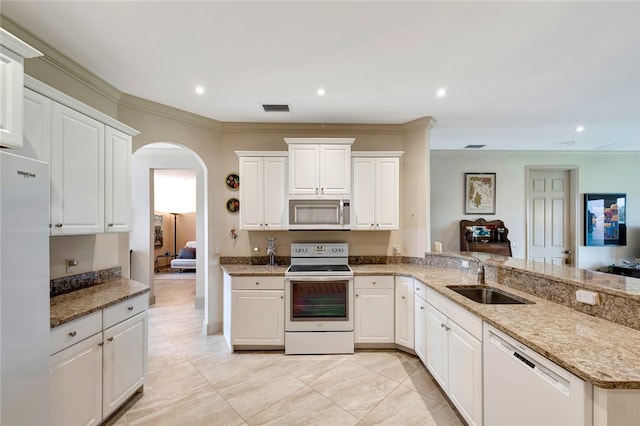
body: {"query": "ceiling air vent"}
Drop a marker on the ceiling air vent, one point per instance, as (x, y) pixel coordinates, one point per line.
(276, 108)
(474, 146)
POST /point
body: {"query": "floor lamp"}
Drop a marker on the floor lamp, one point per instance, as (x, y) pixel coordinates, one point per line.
(175, 234)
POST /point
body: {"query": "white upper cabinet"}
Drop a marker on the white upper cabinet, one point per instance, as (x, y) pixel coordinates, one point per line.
(77, 173)
(263, 197)
(376, 190)
(13, 51)
(117, 181)
(320, 167)
(90, 161)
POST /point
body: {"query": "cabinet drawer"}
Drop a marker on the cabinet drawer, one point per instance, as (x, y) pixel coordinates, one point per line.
(420, 289)
(378, 281)
(125, 309)
(75, 331)
(257, 283)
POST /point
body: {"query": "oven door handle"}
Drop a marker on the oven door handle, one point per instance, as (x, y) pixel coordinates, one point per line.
(319, 278)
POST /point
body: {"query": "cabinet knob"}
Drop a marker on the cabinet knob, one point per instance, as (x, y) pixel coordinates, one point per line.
(421, 307)
(110, 339)
(442, 325)
(130, 308)
(257, 283)
(281, 297)
(100, 344)
(374, 283)
(58, 225)
(72, 334)
(402, 297)
(357, 295)
(50, 226)
(110, 224)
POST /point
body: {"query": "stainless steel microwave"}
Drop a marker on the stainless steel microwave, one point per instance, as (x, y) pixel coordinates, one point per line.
(316, 215)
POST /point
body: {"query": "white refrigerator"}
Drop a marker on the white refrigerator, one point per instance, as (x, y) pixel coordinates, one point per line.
(24, 291)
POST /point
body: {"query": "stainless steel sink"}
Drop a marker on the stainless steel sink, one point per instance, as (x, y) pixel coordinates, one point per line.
(488, 295)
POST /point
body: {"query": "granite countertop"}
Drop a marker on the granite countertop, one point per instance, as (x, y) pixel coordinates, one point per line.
(599, 351)
(69, 306)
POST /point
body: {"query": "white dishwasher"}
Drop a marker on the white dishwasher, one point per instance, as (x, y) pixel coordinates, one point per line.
(523, 388)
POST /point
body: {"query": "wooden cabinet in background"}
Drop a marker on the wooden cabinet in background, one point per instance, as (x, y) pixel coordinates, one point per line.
(485, 236)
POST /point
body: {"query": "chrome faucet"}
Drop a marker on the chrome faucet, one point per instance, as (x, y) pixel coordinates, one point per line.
(480, 273)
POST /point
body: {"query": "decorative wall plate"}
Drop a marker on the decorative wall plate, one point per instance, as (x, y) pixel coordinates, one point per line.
(233, 205)
(233, 181)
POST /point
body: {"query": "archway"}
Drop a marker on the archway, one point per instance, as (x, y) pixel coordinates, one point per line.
(166, 155)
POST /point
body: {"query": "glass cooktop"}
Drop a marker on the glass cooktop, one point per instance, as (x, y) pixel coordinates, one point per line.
(319, 268)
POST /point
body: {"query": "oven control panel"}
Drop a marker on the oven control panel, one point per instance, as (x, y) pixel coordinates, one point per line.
(319, 250)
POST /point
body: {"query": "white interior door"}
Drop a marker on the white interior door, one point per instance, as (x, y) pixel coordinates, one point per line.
(549, 200)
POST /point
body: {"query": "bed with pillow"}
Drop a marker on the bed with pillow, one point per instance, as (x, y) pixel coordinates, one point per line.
(186, 259)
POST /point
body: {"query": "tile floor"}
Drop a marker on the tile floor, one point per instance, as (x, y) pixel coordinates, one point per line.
(195, 380)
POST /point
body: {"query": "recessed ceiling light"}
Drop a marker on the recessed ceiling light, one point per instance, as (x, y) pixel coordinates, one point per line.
(441, 93)
(321, 92)
(199, 90)
(579, 129)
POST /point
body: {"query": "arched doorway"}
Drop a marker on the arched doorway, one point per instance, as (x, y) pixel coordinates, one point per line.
(166, 155)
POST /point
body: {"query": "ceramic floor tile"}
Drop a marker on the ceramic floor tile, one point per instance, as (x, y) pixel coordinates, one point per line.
(405, 406)
(392, 364)
(354, 387)
(422, 382)
(308, 367)
(304, 407)
(255, 390)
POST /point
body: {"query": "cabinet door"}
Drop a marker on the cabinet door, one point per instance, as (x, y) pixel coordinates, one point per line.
(77, 173)
(404, 312)
(363, 195)
(125, 361)
(251, 193)
(257, 317)
(304, 172)
(36, 142)
(76, 384)
(117, 181)
(465, 373)
(420, 322)
(335, 169)
(387, 205)
(437, 346)
(275, 195)
(373, 320)
(11, 81)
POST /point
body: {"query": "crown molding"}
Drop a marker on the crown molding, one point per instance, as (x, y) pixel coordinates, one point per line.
(419, 124)
(165, 111)
(16, 45)
(63, 63)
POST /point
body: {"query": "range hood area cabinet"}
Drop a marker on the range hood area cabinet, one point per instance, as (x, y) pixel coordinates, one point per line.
(375, 200)
(320, 167)
(90, 161)
(263, 193)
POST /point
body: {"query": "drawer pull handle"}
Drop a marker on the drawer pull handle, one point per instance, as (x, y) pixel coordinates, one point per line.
(257, 283)
(402, 297)
(72, 334)
(110, 339)
(58, 225)
(100, 344)
(374, 283)
(130, 308)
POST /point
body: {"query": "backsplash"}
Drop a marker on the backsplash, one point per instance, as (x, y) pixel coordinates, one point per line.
(71, 283)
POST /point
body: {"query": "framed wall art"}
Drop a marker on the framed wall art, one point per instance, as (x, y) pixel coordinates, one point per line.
(479, 193)
(605, 219)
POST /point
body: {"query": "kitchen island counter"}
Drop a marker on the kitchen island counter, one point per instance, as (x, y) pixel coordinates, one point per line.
(599, 351)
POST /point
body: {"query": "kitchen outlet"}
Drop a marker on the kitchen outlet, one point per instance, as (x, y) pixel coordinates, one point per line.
(464, 264)
(217, 251)
(70, 264)
(588, 297)
(396, 250)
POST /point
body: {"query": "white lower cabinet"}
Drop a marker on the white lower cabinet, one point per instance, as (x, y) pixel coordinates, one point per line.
(125, 361)
(76, 384)
(254, 311)
(420, 321)
(94, 371)
(374, 309)
(454, 355)
(404, 311)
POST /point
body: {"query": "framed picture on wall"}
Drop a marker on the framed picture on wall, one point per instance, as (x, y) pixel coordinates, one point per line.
(158, 237)
(479, 193)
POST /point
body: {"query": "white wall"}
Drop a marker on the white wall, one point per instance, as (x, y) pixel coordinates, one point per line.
(597, 172)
